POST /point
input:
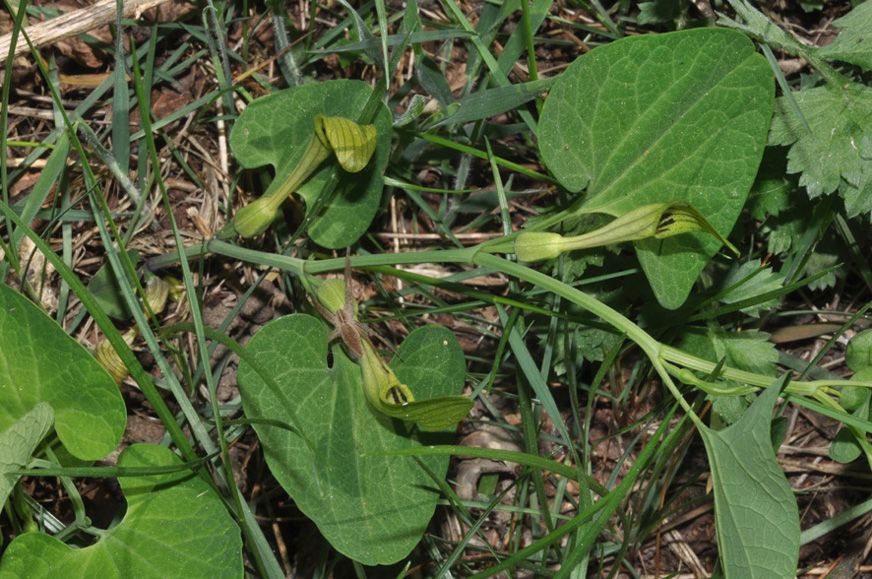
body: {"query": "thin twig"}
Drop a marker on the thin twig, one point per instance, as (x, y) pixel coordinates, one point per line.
(73, 23)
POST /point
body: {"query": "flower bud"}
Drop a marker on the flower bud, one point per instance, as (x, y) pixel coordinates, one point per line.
(531, 246)
(331, 294)
(389, 396)
(156, 293)
(255, 217)
(109, 358)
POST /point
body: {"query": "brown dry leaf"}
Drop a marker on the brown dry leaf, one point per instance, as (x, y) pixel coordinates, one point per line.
(82, 52)
(24, 78)
(39, 272)
(167, 101)
(169, 12)
(79, 50)
(456, 76)
(23, 183)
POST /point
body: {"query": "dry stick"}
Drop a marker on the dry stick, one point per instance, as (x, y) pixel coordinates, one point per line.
(74, 23)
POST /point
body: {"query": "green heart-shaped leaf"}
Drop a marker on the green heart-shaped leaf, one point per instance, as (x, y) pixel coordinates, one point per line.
(276, 129)
(105, 289)
(18, 442)
(654, 118)
(39, 362)
(756, 515)
(175, 526)
(372, 508)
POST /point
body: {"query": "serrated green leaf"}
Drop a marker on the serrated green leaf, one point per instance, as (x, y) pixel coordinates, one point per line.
(773, 191)
(750, 281)
(758, 26)
(824, 256)
(371, 508)
(853, 43)
(756, 516)
(658, 12)
(748, 350)
(39, 362)
(784, 230)
(175, 526)
(836, 155)
(655, 118)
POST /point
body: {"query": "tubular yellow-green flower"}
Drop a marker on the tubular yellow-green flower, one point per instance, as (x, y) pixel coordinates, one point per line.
(353, 146)
(659, 220)
(389, 396)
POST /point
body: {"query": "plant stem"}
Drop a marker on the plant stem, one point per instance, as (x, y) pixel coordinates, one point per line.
(663, 357)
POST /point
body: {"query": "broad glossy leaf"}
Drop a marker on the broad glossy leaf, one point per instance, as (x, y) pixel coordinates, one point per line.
(654, 118)
(175, 526)
(39, 362)
(275, 130)
(373, 509)
(756, 516)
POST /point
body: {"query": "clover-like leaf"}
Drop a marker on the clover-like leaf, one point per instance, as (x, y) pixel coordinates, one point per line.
(372, 508)
(850, 442)
(654, 118)
(858, 355)
(39, 362)
(276, 130)
(175, 526)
